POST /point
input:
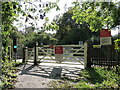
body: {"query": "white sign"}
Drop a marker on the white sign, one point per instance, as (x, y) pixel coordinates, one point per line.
(105, 41)
(118, 31)
(80, 42)
(59, 57)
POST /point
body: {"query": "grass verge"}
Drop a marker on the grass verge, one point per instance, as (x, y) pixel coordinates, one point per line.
(96, 77)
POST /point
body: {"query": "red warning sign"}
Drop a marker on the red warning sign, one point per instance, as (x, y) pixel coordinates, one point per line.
(58, 50)
(105, 33)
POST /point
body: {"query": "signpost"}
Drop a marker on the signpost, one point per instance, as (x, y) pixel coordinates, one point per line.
(105, 37)
(59, 53)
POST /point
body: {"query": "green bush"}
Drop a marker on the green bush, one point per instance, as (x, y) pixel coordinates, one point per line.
(99, 78)
(8, 74)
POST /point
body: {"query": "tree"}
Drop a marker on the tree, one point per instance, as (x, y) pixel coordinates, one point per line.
(35, 12)
(9, 14)
(31, 15)
(97, 14)
(69, 31)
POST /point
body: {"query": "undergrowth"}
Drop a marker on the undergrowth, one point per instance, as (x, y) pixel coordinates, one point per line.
(96, 78)
(9, 77)
(99, 78)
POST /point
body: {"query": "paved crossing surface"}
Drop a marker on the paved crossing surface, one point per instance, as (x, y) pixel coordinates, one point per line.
(30, 76)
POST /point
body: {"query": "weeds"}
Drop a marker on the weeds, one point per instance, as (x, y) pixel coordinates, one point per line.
(8, 74)
(97, 77)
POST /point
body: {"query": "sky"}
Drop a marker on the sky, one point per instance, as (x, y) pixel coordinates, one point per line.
(62, 4)
(22, 24)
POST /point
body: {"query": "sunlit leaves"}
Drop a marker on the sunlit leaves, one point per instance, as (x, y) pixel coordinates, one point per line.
(51, 26)
(51, 5)
(95, 14)
(46, 19)
(9, 14)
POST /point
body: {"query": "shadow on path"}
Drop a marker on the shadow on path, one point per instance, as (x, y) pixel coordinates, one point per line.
(46, 71)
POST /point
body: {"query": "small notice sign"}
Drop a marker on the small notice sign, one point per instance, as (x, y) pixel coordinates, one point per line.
(58, 50)
(80, 42)
(59, 57)
(105, 41)
(105, 37)
(96, 46)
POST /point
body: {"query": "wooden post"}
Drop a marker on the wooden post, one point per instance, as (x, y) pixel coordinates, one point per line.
(88, 56)
(35, 53)
(24, 54)
(87, 62)
(9, 53)
(85, 55)
(108, 54)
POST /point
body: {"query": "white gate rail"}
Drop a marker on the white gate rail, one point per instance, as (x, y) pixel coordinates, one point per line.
(73, 53)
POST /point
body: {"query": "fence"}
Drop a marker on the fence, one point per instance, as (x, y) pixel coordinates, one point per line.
(103, 55)
(87, 55)
(74, 53)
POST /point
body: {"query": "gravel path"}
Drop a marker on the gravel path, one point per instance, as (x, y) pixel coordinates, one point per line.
(30, 76)
(30, 81)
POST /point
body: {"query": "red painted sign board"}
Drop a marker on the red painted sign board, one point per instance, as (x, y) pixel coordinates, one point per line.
(105, 33)
(51, 46)
(58, 50)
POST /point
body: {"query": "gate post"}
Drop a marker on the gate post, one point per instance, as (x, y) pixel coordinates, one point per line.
(35, 53)
(9, 53)
(87, 62)
(24, 54)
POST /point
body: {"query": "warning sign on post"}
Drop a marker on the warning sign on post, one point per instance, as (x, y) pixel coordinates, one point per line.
(58, 50)
(105, 33)
(59, 54)
(105, 37)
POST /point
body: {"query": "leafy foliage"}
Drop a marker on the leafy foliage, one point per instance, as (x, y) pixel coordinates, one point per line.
(69, 31)
(9, 14)
(94, 78)
(97, 14)
(35, 12)
(117, 44)
(8, 74)
(99, 78)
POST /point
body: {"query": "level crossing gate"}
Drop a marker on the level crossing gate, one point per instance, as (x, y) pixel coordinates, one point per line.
(46, 53)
